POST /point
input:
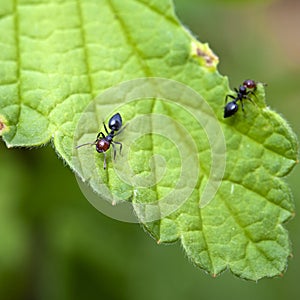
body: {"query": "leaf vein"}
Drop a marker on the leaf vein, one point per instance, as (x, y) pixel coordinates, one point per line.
(130, 41)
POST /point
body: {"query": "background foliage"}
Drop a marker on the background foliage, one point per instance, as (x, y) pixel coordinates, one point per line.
(55, 247)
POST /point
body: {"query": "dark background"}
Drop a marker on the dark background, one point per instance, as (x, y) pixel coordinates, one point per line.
(55, 245)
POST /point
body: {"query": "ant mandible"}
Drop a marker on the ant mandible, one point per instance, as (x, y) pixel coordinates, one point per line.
(242, 93)
(103, 142)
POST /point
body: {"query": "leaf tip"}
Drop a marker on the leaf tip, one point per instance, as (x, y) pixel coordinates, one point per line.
(204, 55)
(158, 242)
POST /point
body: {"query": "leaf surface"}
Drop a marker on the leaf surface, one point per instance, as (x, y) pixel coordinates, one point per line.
(67, 66)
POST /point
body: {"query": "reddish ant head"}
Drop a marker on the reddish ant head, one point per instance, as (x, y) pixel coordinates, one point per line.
(249, 84)
(102, 145)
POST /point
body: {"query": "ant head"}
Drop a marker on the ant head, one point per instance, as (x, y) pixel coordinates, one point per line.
(230, 109)
(115, 122)
(250, 84)
(102, 145)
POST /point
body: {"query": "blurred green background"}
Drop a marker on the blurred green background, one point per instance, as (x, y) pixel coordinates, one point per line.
(55, 245)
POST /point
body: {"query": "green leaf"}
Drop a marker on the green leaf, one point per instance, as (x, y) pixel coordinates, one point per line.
(188, 173)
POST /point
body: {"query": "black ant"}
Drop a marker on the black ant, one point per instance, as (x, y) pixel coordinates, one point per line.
(103, 142)
(242, 93)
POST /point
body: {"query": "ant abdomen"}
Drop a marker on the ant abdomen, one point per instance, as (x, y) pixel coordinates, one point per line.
(115, 122)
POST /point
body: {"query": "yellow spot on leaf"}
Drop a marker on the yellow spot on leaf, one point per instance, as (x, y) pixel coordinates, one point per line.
(3, 125)
(204, 54)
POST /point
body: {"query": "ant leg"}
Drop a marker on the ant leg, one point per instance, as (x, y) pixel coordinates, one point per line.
(247, 97)
(115, 151)
(252, 93)
(230, 96)
(93, 143)
(104, 161)
(114, 147)
(121, 130)
(121, 146)
(242, 102)
(105, 128)
(250, 99)
(85, 144)
(100, 134)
